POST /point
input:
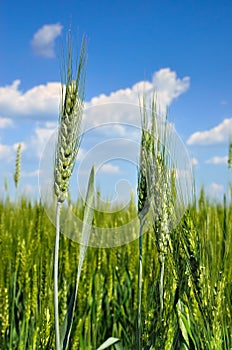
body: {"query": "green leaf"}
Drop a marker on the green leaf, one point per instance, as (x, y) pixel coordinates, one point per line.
(108, 342)
(183, 329)
(185, 326)
(86, 230)
(118, 346)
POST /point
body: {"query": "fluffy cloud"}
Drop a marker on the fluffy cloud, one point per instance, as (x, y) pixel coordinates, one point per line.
(217, 160)
(169, 86)
(165, 84)
(41, 100)
(119, 107)
(218, 134)
(5, 122)
(123, 105)
(40, 138)
(43, 41)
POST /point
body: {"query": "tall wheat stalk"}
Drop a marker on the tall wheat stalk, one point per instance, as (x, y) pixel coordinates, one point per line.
(146, 155)
(156, 190)
(67, 147)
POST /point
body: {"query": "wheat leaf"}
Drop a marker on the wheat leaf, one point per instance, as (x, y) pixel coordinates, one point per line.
(110, 341)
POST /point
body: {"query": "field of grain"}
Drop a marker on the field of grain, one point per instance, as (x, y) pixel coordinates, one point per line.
(197, 306)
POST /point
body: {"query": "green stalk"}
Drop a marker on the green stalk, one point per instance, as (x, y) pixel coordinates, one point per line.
(86, 231)
(140, 278)
(56, 268)
(146, 151)
(12, 323)
(68, 142)
(161, 286)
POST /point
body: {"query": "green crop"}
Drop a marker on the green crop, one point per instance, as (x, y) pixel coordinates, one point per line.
(197, 306)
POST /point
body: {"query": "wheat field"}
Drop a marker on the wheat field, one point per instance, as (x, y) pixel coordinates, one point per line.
(197, 306)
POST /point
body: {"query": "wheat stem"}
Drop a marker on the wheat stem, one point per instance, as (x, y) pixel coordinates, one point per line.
(161, 286)
(56, 268)
(140, 277)
(146, 151)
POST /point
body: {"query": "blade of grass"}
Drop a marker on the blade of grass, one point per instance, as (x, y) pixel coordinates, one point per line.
(109, 342)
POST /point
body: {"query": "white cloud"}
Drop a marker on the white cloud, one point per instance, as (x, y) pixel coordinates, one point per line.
(169, 86)
(43, 41)
(41, 100)
(5, 122)
(165, 83)
(218, 134)
(40, 138)
(109, 168)
(217, 160)
(123, 105)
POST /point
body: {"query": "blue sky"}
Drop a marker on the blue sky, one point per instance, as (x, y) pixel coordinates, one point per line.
(182, 49)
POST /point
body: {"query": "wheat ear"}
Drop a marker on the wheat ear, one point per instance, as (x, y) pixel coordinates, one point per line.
(69, 124)
(17, 165)
(230, 155)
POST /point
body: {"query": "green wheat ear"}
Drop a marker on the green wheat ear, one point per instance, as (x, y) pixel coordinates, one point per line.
(69, 129)
(146, 154)
(17, 165)
(230, 155)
